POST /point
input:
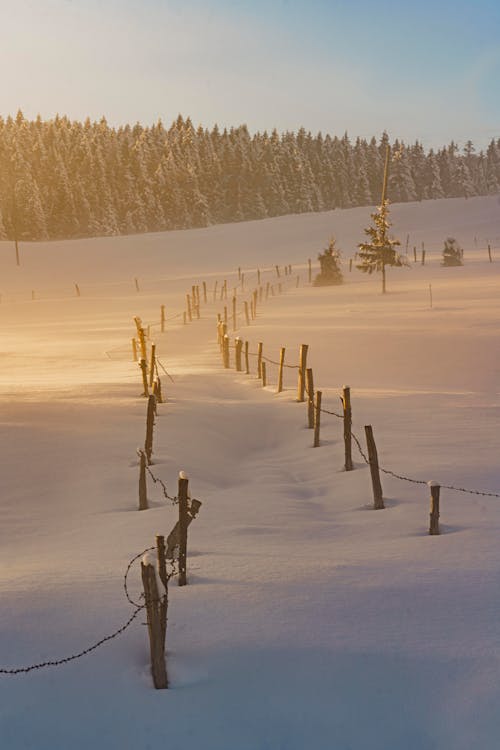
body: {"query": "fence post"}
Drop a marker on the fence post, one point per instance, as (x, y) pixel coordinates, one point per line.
(183, 525)
(264, 375)
(144, 370)
(268, 286)
(238, 346)
(378, 500)
(310, 270)
(143, 497)
(302, 371)
(188, 306)
(350, 264)
(247, 363)
(317, 418)
(489, 253)
(435, 489)
(136, 285)
(258, 277)
(234, 313)
(150, 421)
(77, 290)
(247, 316)
(310, 398)
(346, 403)
(297, 282)
(134, 350)
(142, 337)
(242, 281)
(277, 271)
(152, 363)
(259, 360)
(156, 623)
(280, 371)
(225, 351)
(255, 296)
(205, 292)
(162, 318)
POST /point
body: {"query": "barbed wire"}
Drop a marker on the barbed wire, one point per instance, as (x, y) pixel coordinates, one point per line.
(158, 480)
(164, 370)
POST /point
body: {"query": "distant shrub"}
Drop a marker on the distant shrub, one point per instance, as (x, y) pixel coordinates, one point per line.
(452, 253)
(329, 261)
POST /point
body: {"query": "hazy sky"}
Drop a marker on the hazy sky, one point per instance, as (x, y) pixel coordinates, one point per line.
(427, 70)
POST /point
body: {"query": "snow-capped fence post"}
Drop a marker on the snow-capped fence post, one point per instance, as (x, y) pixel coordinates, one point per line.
(188, 307)
(435, 489)
(150, 420)
(280, 371)
(143, 497)
(156, 610)
(247, 316)
(225, 351)
(162, 318)
(134, 350)
(346, 404)
(238, 346)
(317, 418)
(259, 359)
(310, 398)
(152, 363)
(234, 313)
(264, 374)
(310, 270)
(378, 500)
(182, 494)
(144, 370)
(301, 387)
(247, 363)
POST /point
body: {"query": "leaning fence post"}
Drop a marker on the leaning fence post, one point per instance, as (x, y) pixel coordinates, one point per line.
(144, 370)
(150, 420)
(317, 418)
(259, 359)
(302, 372)
(183, 525)
(280, 371)
(156, 614)
(310, 398)
(378, 500)
(247, 363)
(238, 346)
(435, 489)
(346, 403)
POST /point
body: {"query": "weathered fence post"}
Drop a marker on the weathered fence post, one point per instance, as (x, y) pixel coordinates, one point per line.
(234, 313)
(297, 282)
(225, 351)
(188, 307)
(346, 403)
(144, 370)
(238, 346)
(310, 270)
(77, 290)
(156, 627)
(310, 398)
(182, 494)
(302, 372)
(259, 359)
(152, 363)
(162, 318)
(205, 292)
(258, 277)
(264, 374)
(268, 286)
(378, 500)
(143, 497)
(247, 316)
(136, 285)
(134, 350)
(280, 371)
(317, 418)
(489, 253)
(435, 489)
(247, 363)
(142, 337)
(277, 271)
(150, 421)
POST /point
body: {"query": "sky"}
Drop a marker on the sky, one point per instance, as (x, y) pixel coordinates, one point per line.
(422, 70)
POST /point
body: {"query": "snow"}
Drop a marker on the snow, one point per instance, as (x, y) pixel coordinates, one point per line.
(310, 620)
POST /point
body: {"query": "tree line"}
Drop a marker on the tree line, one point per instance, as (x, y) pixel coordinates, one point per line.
(62, 179)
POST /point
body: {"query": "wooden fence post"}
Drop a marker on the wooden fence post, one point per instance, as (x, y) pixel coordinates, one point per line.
(150, 421)
(238, 346)
(280, 371)
(247, 363)
(225, 351)
(302, 372)
(77, 290)
(423, 256)
(297, 282)
(258, 277)
(310, 270)
(414, 254)
(182, 494)
(205, 292)
(268, 286)
(136, 285)
(255, 296)
(134, 350)
(317, 418)
(215, 290)
(162, 318)
(239, 273)
(143, 497)
(188, 307)
(247, 317)
(18, 260)
(350, 264)
(310, 398)
(242, 281)
(277, 271)
(264, 375)
(156, 615)
(152, 363)
(259, 360)
(346, 403)
(378, 500)
(489, 253)
(234, 313)
(144, 370)
(435, 489)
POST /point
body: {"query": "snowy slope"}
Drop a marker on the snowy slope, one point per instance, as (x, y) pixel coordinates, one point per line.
(310, 620)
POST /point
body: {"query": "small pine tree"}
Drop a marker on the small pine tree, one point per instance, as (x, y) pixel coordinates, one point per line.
(329, 261)
(452, 253)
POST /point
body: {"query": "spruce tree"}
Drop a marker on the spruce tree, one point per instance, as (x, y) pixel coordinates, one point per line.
(329, 261)
(452, 253)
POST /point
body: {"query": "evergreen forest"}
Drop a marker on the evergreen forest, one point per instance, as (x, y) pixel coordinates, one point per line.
(62, 179)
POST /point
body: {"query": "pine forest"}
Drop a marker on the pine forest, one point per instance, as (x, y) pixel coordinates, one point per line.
(62, 179)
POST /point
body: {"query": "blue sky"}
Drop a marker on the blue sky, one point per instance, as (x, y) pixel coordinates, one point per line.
(426, 70)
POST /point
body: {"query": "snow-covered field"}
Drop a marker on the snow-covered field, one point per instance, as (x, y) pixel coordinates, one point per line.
(310, 620)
